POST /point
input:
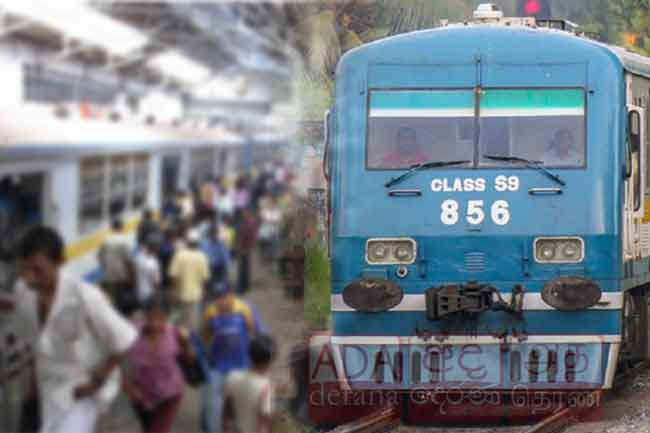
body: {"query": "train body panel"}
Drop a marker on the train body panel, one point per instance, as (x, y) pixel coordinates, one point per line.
(517, 229)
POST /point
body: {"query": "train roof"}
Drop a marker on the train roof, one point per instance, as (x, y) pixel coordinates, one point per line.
(33, 130)
(632, 62)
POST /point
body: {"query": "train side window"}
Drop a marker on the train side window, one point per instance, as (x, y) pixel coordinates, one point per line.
(119, 185)
(634, 125)
(140, 181)
(646, 105)
(91, 197)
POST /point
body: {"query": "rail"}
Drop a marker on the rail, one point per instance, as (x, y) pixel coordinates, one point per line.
(381, 421)
(555, 423)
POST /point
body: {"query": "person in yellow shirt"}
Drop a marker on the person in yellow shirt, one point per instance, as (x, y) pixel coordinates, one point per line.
(189, 271)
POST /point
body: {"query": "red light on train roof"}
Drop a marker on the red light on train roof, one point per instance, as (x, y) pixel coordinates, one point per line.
(532, 7)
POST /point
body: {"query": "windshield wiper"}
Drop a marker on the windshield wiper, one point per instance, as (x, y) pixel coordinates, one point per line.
(529, 163)
(422, 166)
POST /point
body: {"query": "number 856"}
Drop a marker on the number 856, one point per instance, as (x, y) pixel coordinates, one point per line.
(499, 212)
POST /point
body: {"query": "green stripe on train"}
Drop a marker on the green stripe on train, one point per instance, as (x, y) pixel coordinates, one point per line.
(532, 99)
(520, 99)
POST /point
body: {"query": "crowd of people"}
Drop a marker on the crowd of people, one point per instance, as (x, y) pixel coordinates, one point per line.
(167, 312)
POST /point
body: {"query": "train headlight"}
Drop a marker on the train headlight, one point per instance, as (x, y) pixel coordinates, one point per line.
(390, 251)
(404, 253)
(571, 250)
(547, 252)
(559, 250)
(377, 252)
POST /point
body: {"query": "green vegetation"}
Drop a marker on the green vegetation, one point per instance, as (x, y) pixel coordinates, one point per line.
(317, 285)
(633, 24)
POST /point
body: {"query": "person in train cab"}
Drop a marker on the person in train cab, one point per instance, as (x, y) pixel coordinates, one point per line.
(250, 392)
(189, 271)
(228, 325)
(562, 151)
(116, 263)
(79, 339)
(147, 269)
(148, 228)
(154, 380)
(407, 151)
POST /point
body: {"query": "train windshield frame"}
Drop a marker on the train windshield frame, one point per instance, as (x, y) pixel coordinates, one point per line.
(410, 126)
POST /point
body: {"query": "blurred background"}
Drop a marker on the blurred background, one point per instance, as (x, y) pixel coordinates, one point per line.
(109, 109)
(172, 119)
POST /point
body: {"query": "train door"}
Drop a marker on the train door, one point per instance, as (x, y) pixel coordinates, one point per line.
(634, 191)
(23, 203)
(635, 336)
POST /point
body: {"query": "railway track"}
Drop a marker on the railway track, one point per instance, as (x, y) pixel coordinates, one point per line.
(384, 420)
(389, 419)
(555, 423)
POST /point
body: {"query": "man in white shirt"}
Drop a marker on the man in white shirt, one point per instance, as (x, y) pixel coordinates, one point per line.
(249, 393)
(562, 152)
(79, 339)
(147, 270)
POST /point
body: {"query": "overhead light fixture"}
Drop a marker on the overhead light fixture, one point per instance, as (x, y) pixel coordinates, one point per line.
(77, 20)
(173, 64)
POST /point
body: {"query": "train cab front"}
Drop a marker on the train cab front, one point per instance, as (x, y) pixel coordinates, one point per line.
(474, 237)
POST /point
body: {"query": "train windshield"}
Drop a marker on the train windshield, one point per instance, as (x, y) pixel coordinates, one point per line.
(408, 127)
(411, 127)
(545, 125)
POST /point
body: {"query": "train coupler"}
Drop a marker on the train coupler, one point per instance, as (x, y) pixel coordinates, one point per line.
(470, 299)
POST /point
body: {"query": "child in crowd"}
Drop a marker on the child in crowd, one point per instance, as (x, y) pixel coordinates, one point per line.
(249, 393)
(155, 382)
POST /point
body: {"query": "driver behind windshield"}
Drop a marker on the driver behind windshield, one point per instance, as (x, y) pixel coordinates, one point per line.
(407, 151)
(562, 151)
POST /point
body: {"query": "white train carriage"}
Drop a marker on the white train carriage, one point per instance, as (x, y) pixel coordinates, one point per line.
(79, 174)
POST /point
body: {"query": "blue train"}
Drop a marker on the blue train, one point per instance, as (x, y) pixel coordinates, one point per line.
(489, 199)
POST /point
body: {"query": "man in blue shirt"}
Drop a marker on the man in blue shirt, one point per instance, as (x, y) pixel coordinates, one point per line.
(216, 252)
(227, 328)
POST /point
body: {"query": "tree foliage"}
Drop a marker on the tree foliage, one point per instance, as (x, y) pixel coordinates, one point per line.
(633, 24)
(335, 27)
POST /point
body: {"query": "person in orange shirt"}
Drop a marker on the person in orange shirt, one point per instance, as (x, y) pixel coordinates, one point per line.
(408, 151)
